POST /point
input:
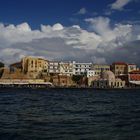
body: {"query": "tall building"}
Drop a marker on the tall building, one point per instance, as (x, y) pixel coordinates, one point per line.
(33, 66)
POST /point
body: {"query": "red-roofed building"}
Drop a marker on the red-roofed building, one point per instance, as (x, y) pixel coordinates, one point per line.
(134, 78)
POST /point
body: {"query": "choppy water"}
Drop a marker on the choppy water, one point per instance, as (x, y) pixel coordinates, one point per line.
(69, 114)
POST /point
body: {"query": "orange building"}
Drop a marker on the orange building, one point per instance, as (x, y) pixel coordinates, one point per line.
(134, 76)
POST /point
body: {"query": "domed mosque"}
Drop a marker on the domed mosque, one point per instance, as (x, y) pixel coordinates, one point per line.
(108, 80)
(108, 75)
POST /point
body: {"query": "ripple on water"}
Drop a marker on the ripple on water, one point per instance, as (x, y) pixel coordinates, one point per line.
(69, 114)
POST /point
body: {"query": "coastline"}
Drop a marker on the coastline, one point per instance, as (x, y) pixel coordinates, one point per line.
(31, 86)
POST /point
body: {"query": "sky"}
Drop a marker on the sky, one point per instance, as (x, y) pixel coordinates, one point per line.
(98, 31)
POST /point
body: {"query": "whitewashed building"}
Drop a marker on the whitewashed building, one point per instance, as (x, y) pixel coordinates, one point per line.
(81, 68)
(53, 67)
(66, 68)
(90, 73)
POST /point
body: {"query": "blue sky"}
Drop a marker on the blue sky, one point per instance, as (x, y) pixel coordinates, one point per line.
(37, 12)
(98, 31)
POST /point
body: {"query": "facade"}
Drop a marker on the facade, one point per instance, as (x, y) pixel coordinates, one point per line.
(108, 80)
(66, 68)
(54, 67)
(62, 80)
(90, 73)
(119, 68)
(134, 78)
(91, 79)
(34, 66)
(131, 67)
(81, 68)
(100, 68)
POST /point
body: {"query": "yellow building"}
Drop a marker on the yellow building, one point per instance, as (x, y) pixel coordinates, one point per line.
(100, 68)
(33, 66)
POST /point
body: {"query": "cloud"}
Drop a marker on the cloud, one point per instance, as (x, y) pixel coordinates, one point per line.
(82, 11)
(99, 44)
(101, 25)
(119, 4)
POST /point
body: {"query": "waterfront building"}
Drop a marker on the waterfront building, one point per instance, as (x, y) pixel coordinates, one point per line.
(119, 68)
(53, 67)
(100, 68)
(34, 66)
(91, 79)
(81, 68)
(90, 73)
(108, 80)
(131, 67)
(62, 80)
(66, 68)
(134, 78)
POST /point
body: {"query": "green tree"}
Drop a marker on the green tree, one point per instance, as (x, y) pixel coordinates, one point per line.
(1, 70)
(1, 64)
(77, 78)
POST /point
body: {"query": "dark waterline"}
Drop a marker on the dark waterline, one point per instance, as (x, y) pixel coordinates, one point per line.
(69, 114)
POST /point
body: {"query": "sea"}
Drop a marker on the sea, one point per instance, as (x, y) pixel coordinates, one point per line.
(69, 114)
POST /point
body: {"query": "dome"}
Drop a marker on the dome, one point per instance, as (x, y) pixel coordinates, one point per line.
(108, 75)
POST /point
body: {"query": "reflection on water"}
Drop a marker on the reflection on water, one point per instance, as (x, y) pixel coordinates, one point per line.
(69, 114)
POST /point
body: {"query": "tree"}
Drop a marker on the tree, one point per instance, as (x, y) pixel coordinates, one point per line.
(1, 70)
(77, 78)
(1, 64)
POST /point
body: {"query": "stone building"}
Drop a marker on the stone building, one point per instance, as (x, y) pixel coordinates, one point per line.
(61, 80)
(33, 66)
(119, 68)
(108, 80)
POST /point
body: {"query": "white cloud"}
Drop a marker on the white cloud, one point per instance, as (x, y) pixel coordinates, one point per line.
(68, 43)
(119, 4)
(82, 11)
(57, 27)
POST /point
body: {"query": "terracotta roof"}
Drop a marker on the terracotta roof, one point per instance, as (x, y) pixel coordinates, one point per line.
(119, 63)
